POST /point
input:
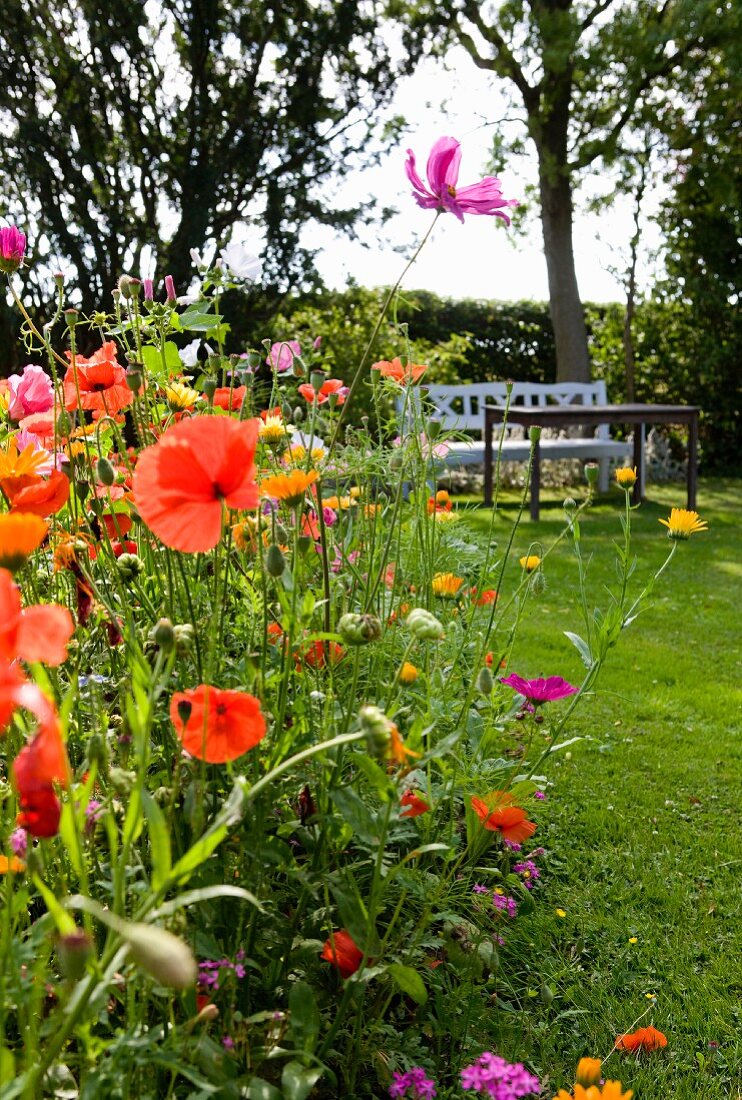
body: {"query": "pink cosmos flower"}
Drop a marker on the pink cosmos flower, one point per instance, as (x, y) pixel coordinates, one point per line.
(281, 355)
(540, 691)
(30, 392)
(442, 194)
(12, 249)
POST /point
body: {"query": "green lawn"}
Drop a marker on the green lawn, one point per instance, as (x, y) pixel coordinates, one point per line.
(643, 816)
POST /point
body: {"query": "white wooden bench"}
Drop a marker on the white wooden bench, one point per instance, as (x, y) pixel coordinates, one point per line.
(459, 409)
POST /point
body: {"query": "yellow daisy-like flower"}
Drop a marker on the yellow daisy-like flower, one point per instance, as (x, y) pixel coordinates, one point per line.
(611, 1090)
(289, 488)
(180, 398)
(354, 492)
(20, 534)
(682, 524)
(588, 1072)
(446, 585)
(297, 454)
(340, 504)
(272, 430)
(626, 477)
(23, 464)
(408, 673)
(530, 562)
(445, 517)
(372, 510)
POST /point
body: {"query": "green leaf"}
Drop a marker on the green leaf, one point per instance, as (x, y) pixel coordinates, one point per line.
(206, 893)
(409, 982)
(382, 784)
(7, 1066)
(297, 1081)
(305, 1017)
(154, 366)
(222, 825)
(159, 839)
(195, 320)
(261, 1090)
(582, 648)
(68, 833)
(357, 814)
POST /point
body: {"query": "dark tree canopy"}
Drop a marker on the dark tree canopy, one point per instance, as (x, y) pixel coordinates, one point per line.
(130, 125)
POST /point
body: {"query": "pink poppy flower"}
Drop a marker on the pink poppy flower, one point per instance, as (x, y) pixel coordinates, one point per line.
(281, 355)
(442, 194)
(540, 691)
(30, 392)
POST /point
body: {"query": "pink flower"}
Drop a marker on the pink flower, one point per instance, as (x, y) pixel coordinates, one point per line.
(170, 290)
(281, 355)
(12, 249)
(442, 171)
(540, 691)
(30, 392)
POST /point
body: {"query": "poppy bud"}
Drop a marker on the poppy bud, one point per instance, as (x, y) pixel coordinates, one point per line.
(359, 629)
(424, 626)
(377, 728)
(303, 543)
(74, 950)
(298, 414)
(538, 584)
(254, 360)
(534, 433)
(183, 633)
(168, 959)
(124, 285)
(163, 634)
(282, 535)
(64, 424)
(81, 489)
(485, 683)
(275, 563)
(105, 472)
(569, 506)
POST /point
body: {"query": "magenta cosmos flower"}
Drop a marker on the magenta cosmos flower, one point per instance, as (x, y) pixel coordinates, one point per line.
(442, 171)
(12, 249)
(540, 691)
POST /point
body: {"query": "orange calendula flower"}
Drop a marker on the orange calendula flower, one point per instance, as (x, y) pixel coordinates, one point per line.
(626, 477)
(291, 488)
(20, 534)
(682, 524)
(499, 813)
(394, 370)
(18, 469)
(408, 673)
(446, 585)
(588, 1071)
(644, 1038)
(610, 1090)
(17, 866)
(215, 725)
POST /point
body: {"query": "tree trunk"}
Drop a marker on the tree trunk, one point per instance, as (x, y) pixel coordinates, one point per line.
(567, 315)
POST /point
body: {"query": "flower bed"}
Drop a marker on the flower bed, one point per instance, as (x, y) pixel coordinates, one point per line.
(274, 793)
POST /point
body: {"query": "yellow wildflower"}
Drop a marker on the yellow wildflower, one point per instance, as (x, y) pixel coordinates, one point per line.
(272, 430)
(529, 563)
(626, 477)
(180, 397)
(408, 673)
(446, 585)
(682, 524)
(588, 1071)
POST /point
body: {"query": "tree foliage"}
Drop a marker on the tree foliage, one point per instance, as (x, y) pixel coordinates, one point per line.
(140, 125)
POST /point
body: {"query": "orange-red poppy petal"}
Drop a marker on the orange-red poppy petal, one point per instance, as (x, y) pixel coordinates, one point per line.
(45, 498)
(220, 725)
(43, 633)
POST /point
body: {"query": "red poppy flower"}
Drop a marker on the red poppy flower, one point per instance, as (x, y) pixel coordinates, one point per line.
(499, 814)
(101, 381)
(342, 952)
(117, 524)
(220, 725)
(38, 633)
(644, 1038)
(317, 656)
(44, 498)
(225, 398)
(414, 805)
(182, 483)
(39, 765)
(485, 597)
(332, 386)
(413, 372)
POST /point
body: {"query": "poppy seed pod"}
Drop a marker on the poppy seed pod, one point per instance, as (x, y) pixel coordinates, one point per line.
(163, 634)
(166, 958)
(209, 387)
(359, 629)
(591, 473)
(275, 562)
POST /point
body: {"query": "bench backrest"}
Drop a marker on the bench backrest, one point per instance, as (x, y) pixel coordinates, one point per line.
(460, 407)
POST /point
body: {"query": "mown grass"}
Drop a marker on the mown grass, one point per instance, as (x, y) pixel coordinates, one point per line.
(642, 821)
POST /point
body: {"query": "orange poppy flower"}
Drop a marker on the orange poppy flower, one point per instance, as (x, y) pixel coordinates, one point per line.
(101, 381)
(319, 654)
(39, 424)
(182, 482)
(499, 814)
(20, 534)
(44, 498)
(218, 725)
(225, 398)
(414, 805)
(413, 372)
(291, 488)
(332, 386)
(644, 1038)
(342, 951)
(38, 633)
(485, 597)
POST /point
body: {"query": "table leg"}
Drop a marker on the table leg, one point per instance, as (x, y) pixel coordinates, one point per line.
(535, 480)
(638, 463)
(487, 462)
(692, 462)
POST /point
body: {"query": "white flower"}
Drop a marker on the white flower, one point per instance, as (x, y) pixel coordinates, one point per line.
(197, 258)
(241, 263)
(189, 354)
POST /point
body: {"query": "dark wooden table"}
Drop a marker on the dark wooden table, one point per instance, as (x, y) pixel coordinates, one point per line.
(560, 416)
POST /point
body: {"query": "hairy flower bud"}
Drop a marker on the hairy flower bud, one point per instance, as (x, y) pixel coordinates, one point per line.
(377, 728)
(74, 950)
(124, 285)
(166, 958)
(275, 562)
(163, 634)
(485, 682)
(534, 433)
(591, 473)
(104, 471)
(538, 583)
(359, 629)
(184, 635)
(424, 626)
